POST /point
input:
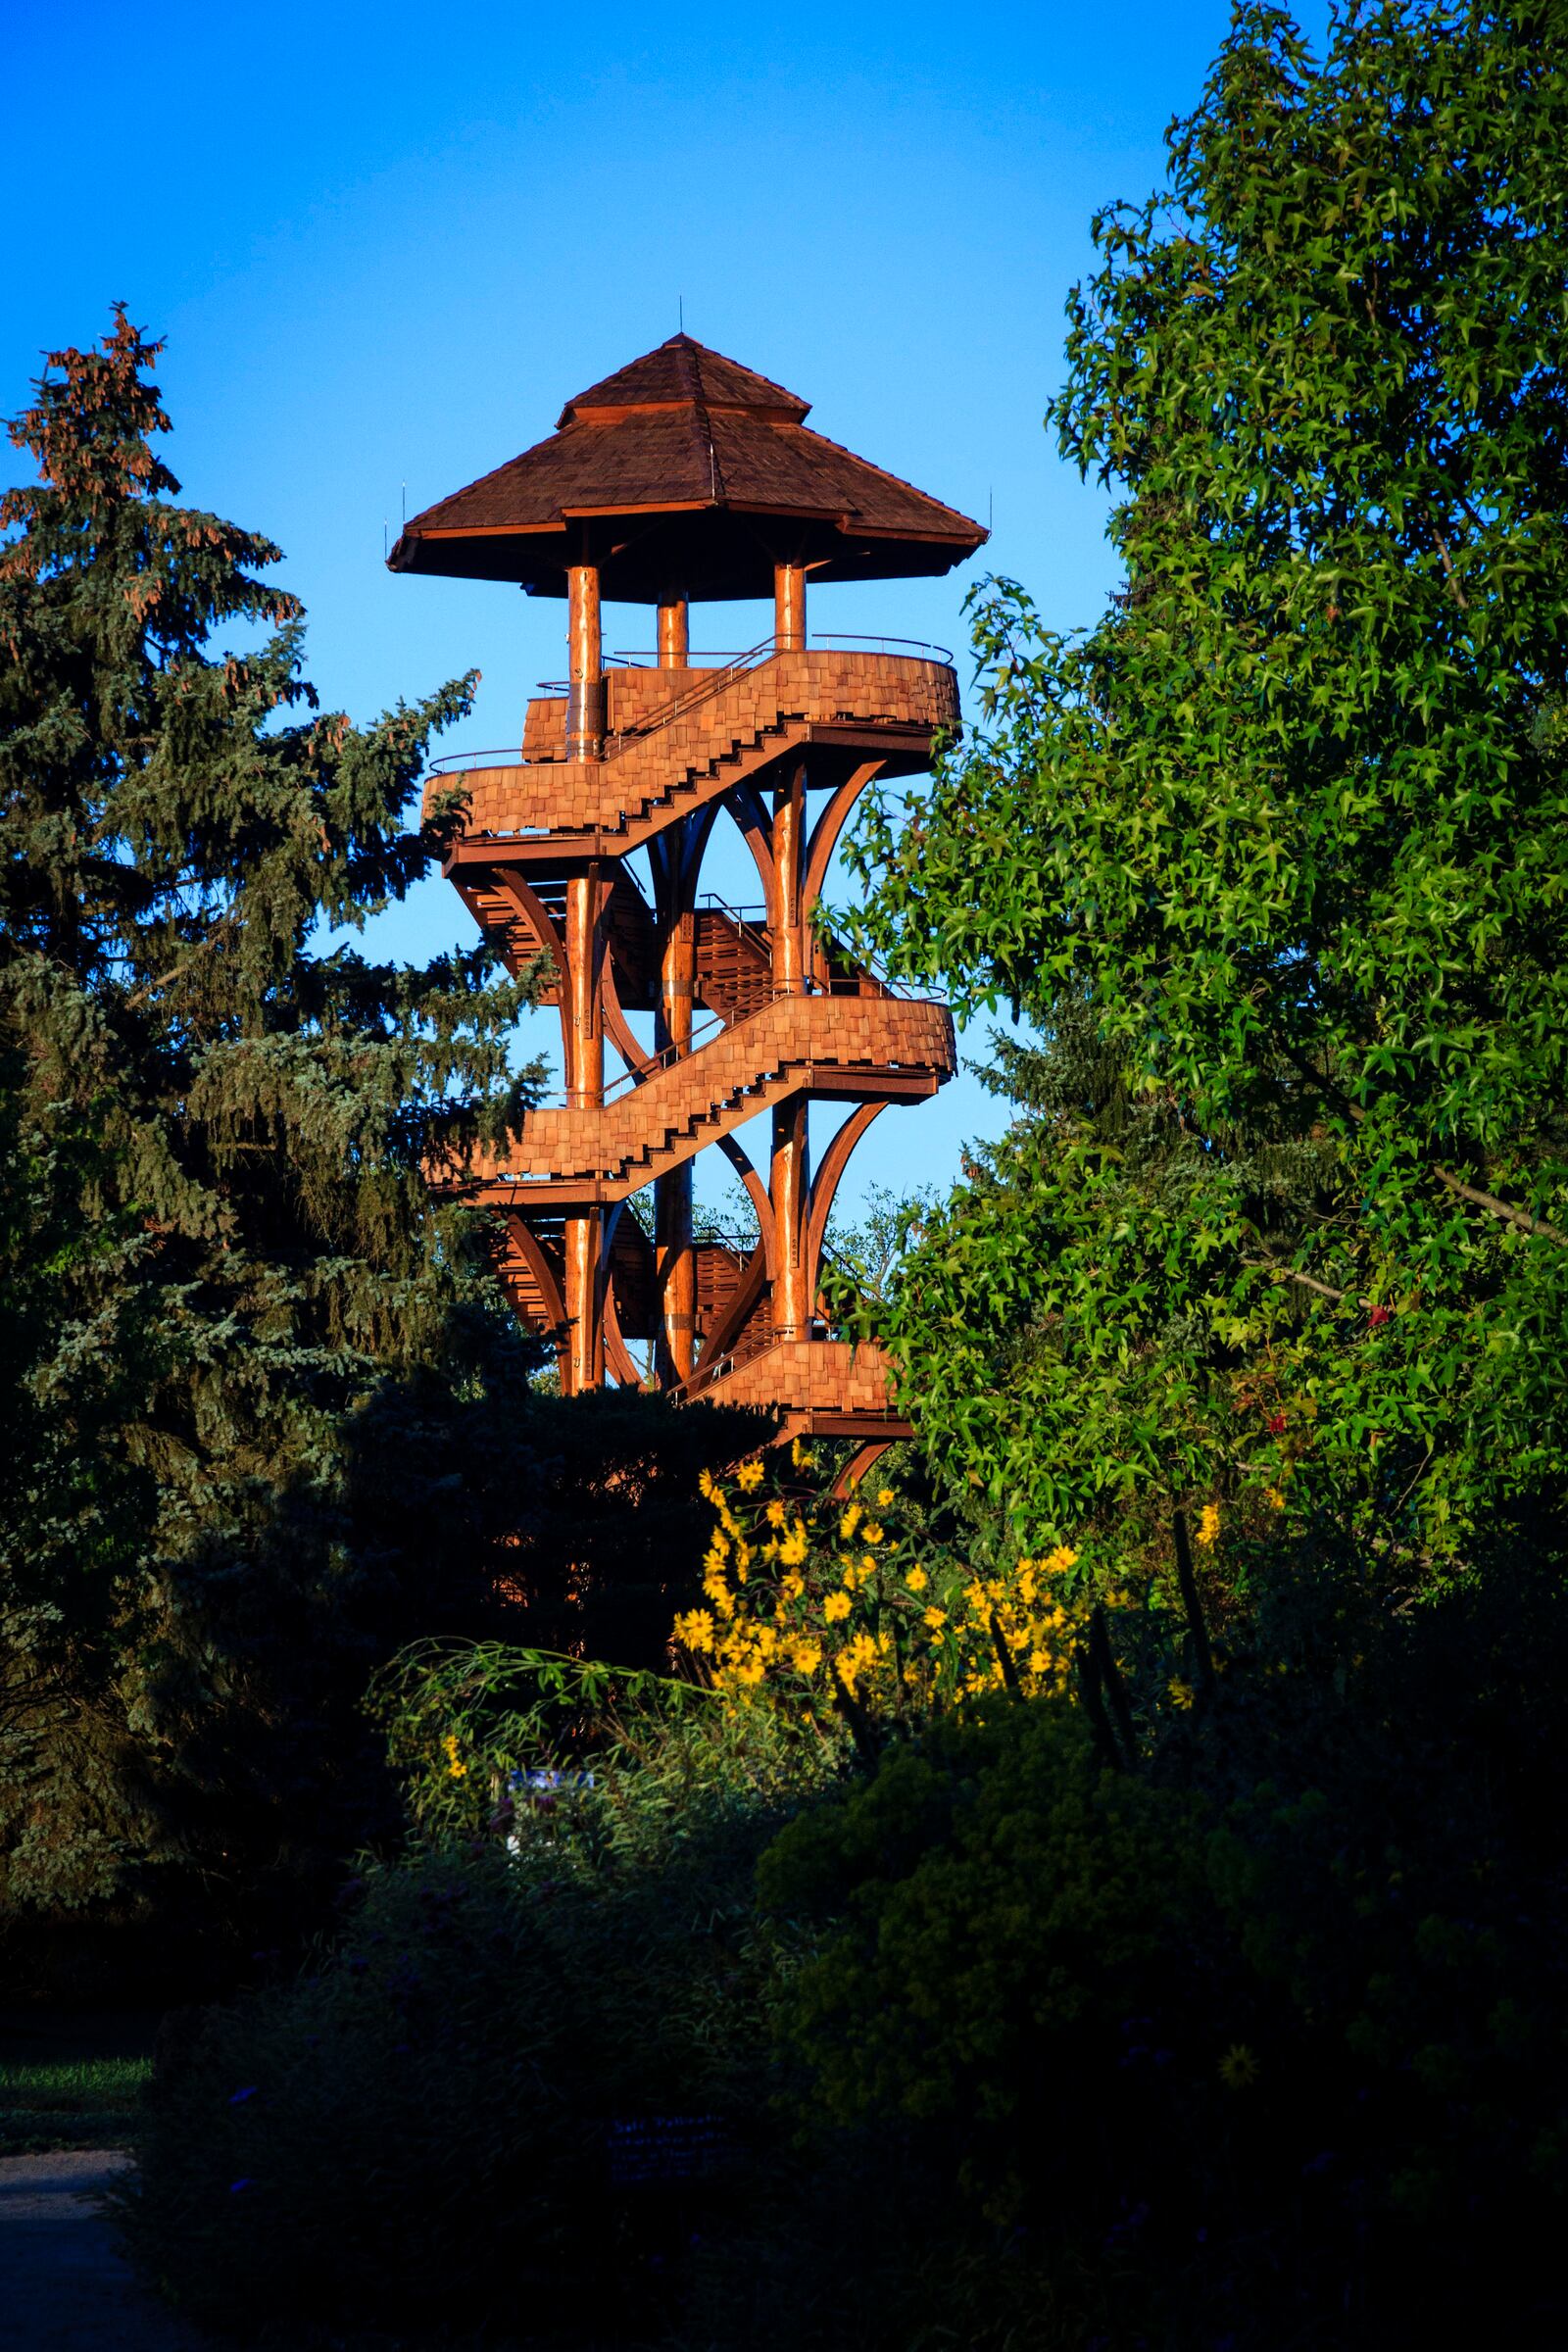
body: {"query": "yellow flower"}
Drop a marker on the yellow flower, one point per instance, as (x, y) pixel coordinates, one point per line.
(836, 1606)
(1274, 1498)
(849, 1521)
(870, 1533)
(1181, 1694)
(936, 1619)
(1057, 1562)
(695, 1629)
(792, 1551)
(749, 1477)
(792, 1585)
(918, 1580)
(457, 1770)
(798, 1455)
(775, 1514)
(1238, 2069)
(884, 1501)
(1208, 1524)
(1039, 1662)
(867, 1565)
(805, 1657)
(704, 1485)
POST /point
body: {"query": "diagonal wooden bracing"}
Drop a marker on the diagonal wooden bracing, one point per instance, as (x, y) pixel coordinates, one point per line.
(749, 1019)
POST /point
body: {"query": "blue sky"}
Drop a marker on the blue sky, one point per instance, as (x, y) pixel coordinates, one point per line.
(385, 244)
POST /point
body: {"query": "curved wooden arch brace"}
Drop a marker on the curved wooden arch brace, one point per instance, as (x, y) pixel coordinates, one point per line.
(756, 830)
(739, 1312)
(827, 828)
(539, 1267)
(533, 911)
(619, 1030)
(617, 1355)
(835, 1159)
(695, 835)
(675, 857)
(859, 1463)
(740, 1161)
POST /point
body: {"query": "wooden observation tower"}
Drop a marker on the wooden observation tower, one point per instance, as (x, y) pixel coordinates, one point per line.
(686, 478)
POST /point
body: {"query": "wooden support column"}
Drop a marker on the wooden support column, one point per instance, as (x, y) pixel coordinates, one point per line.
(784, 914)
(674, 1254)
(582, 1022)
(674, 635)
(788, 608)
(790, 1188)
(585, 675)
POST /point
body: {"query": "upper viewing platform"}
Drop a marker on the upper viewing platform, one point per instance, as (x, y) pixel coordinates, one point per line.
(685, 473)
(675, 739)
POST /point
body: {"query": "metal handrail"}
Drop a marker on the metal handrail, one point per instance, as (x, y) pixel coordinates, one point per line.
(450, 763)
(694, 661)
(691, 698)
(915, 648)
(714, 682)
(680, 1051)
(753, 920)
(820, 640)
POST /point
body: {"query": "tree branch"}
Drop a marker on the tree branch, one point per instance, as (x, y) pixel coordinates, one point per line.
(1459, 597)
(1495, 1208)
(1308, 1281)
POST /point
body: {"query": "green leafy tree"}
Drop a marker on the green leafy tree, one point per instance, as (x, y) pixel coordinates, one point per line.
(1274, 855)
(251, 1366)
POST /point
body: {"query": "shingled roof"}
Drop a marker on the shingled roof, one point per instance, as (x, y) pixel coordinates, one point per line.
(685, 472)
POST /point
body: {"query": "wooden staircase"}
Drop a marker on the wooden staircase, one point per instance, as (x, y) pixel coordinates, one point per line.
(858, 1048)
(877, 703)
(772, 1035)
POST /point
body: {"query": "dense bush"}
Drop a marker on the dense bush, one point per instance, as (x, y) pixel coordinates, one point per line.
(1244, 2024)
(1268, 2029)
(422, 2129)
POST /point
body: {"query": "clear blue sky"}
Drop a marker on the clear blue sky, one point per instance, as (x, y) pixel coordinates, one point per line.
(385, 244)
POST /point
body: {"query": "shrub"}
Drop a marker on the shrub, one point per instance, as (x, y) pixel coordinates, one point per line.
(1260, 2042)
(419, 2129)
(857, 1605)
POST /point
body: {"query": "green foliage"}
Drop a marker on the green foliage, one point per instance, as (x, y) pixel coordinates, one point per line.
(1016, 2046)
(1261, 2037)
(418, 2130)
(464, 1720)
(240, 1338)
(1274, 855)
(995, 1901)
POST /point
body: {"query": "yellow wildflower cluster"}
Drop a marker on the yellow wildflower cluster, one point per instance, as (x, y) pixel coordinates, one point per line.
(821, 1598)
(457, 1770)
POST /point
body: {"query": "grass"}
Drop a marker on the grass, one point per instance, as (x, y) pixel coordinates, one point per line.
(70, 2082)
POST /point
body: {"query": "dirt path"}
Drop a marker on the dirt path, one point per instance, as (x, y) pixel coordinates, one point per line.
(63, 2285)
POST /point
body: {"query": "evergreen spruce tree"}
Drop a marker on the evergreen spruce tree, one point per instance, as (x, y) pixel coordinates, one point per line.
(249, 1364)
